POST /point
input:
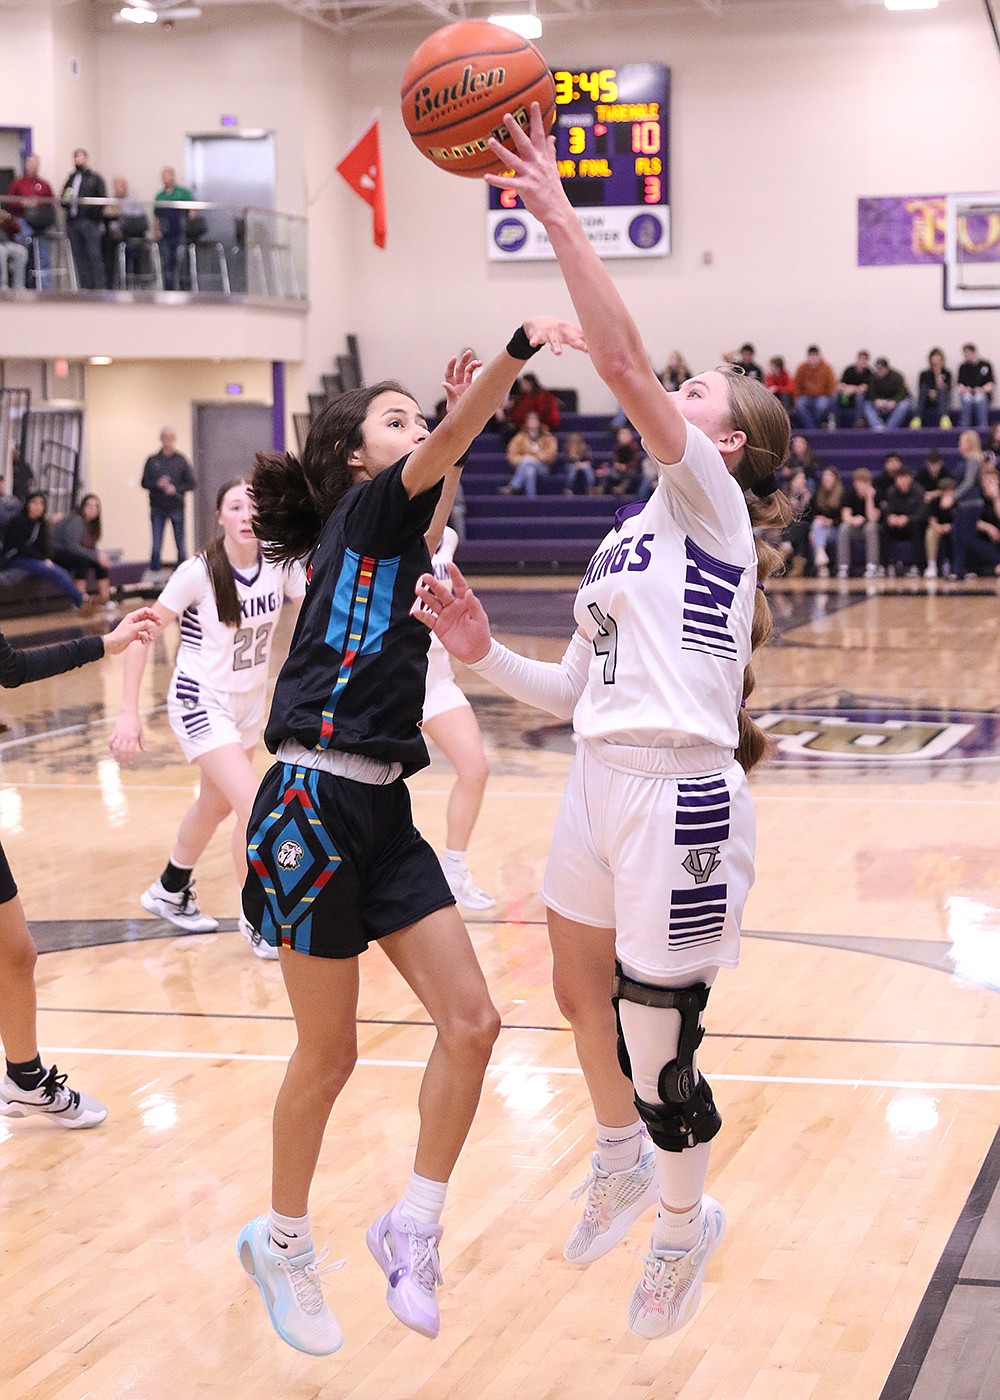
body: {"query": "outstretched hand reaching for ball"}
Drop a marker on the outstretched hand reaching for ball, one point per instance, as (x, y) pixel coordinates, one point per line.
(457, 619)
(533, 161)
(458, 375)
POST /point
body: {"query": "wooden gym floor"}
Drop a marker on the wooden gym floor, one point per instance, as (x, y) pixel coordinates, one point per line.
(855, 1056)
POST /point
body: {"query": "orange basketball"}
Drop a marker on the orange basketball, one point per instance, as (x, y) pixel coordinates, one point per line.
(458, 85)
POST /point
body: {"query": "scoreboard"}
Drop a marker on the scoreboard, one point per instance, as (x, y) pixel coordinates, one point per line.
(612, 145)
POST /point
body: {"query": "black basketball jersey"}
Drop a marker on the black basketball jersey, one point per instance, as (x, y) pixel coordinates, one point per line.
(354, 679)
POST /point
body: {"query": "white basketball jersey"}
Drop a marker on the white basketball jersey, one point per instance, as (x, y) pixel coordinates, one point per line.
(667, 602)
(220, 657)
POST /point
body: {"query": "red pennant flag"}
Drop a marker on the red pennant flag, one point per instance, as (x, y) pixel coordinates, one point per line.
(362, 169)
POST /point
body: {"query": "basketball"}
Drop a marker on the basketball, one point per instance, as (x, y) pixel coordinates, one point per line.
(457, 87)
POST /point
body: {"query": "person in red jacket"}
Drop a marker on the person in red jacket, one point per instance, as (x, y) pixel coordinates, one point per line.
(32, 218)
(534, 399)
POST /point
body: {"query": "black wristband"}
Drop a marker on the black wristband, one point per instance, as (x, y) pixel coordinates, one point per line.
(463, 460)
(519, 347)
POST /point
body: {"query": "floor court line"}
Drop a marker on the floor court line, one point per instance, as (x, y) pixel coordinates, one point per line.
(925, 1086)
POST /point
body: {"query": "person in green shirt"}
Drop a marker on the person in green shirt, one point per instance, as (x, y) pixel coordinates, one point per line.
(171, 223)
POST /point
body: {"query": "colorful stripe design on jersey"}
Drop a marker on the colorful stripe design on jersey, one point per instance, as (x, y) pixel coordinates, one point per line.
(191, 632)
(293, 856)
(709, 590)
(697, 916)
(359, 620)
(702, 817)
(194, 718)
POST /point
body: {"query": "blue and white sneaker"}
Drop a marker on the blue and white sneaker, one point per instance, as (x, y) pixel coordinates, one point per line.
(407, 1254)
(291, 1289)
(668, 1294)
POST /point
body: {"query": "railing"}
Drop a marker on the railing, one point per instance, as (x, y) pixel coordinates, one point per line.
(189, 247)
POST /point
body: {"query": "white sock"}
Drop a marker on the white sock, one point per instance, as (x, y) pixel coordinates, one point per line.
(424, 1200)
(677, 1230)
(290, 1234)
(618, 1149)
(459, 859)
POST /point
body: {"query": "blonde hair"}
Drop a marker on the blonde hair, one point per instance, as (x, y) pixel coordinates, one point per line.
(754, 411)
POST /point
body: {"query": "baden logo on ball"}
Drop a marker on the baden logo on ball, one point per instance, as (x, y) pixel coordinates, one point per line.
(457, 87)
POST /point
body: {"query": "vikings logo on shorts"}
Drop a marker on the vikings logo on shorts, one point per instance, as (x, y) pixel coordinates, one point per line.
(289, 855)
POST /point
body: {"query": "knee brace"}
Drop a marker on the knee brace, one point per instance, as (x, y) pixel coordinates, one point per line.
(686, 1113)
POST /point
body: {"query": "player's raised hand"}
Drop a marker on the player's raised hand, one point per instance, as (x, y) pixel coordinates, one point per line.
(551, 331)
(459, 375)
(533, 161)
(457, 619)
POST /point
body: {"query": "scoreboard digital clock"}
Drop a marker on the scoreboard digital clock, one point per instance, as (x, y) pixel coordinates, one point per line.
(612, 144)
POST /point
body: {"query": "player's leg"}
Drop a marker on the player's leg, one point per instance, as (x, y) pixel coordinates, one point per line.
(230, 772)
(456, 733)
(173, 896)
(29, 1087)
(436, 958)
(277, 1250)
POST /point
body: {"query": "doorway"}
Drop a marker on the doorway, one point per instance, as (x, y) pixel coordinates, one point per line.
(227, 436)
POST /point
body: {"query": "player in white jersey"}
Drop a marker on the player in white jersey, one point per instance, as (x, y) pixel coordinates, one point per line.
(450, 722)
(228, 599)
(652, 856)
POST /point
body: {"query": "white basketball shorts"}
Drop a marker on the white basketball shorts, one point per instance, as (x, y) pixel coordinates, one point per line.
(204, 719)
(657, 844)
(443, 691)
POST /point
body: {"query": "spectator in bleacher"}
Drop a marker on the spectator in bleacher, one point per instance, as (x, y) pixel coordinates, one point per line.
(172, 224)
(934, 392)
(937, 536)
(534, 399)
(744, 358)
(168, 477)
(968, 499)
(675, 372)
(903, 515)
(801, 457)
(84, 222)
(794, 546)
(530, 452)
(892, 464)
(851, 392)
(930, 475)
(984, 549)
(579, 465)
(780, 382)
(993, 444)
(975, 389)
(622, 473)
(500, 422)
(26, 546)
(34, 218)
(814, 386)
(858, 520)
(888, 403)
(121, 206)
(75, 546)
(13, 255)
(826, 506)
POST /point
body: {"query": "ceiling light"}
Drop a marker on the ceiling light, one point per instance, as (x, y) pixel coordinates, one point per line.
(101, 360)
(530, 26)
(135, 15)
(910, 4)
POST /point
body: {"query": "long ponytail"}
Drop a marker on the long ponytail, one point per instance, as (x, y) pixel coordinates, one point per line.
(220, 569)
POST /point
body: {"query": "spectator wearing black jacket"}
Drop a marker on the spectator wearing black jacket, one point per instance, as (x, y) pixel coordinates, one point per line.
(858, 520)
(903, 515)
(85, 222)
(852, 392)
(975, 389)
(26, 547)
(934, 391)
(168, 477)
(888, 403)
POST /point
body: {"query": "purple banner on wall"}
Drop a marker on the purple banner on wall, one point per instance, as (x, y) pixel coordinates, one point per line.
(899, 229)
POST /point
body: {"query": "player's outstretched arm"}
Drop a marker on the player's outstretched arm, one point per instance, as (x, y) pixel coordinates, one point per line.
(126, 737)
(39, 663)
(482, 396)
(613, 338)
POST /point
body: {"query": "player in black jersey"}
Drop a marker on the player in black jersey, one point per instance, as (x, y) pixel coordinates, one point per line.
(334, 858)
(27, 1086)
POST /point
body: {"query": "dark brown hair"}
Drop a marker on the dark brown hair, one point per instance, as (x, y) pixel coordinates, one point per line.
(755, 411)
(91, 528)
(293, 500)
(220, 568)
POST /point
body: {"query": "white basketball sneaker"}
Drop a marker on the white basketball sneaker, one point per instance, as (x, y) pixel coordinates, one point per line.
(291, 1289)
(53, 1098)
(614, 1202)
(257, 941)
(407, 1253)
(180, 909)
(466, 891)
(668, 1294)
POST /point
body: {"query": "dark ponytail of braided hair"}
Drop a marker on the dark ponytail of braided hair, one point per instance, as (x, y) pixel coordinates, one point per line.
(293, 500)
(755, 411)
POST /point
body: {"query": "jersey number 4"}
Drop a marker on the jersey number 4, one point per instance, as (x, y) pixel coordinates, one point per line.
(250, 646)
(606, 641)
